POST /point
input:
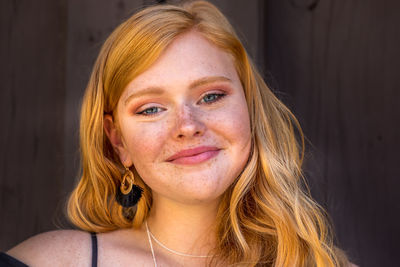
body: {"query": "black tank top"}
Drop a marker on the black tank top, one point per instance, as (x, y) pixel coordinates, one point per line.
(8, 261)
(94, 249)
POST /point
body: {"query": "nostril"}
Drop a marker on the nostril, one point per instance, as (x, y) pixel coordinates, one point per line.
(183, 135)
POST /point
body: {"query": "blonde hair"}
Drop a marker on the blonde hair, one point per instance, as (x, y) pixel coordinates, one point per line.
(265, 217)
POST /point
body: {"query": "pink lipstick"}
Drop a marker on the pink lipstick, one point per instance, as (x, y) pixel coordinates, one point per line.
(194, 155)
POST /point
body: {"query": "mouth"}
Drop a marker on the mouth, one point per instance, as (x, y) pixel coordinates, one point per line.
(194, 156)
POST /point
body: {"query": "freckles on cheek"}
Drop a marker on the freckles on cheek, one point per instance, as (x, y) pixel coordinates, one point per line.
(243, 119)
(243, 126)
(235, 122)
(146, 142)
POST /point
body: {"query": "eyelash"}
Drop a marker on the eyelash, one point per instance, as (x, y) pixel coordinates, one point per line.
(219, 96)
(143, 113)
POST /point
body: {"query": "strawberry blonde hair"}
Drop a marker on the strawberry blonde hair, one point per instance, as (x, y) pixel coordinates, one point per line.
(265, 217)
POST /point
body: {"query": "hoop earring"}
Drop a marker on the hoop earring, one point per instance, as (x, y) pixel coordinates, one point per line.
(128, 194)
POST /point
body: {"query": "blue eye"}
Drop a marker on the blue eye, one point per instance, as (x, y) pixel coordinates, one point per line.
(150, 111)
(211, 98)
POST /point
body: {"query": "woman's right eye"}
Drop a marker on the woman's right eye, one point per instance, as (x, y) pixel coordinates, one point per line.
(150, 111)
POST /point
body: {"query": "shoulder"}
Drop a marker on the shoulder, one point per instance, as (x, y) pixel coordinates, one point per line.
(55, 248)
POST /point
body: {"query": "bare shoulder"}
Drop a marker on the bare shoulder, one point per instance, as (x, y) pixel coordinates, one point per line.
(55, 248)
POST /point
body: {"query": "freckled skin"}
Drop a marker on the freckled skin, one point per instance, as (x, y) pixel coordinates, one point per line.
(185, 122)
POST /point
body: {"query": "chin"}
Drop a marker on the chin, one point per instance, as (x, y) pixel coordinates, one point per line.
(199, 199)
(203, 190)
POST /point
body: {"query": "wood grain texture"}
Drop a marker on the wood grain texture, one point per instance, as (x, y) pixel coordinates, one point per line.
(336, 64)
(32, 50)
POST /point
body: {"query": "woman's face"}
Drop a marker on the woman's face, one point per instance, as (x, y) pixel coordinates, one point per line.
(184, 123)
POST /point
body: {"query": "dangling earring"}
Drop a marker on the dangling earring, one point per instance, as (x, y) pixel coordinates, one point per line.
(128, 194)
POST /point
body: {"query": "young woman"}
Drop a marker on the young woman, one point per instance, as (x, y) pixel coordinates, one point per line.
(176, 118)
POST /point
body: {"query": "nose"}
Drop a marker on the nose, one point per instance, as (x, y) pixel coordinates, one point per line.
(188, 123)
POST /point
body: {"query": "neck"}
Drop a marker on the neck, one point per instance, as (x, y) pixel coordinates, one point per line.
(181, 227)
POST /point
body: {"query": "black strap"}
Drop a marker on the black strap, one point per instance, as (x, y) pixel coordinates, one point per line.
(8, 261)
(94, 249)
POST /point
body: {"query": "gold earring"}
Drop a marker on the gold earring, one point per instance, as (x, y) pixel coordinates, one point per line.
(128, 194)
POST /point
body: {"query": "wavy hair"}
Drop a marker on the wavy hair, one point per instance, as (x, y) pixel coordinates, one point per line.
(266, 217)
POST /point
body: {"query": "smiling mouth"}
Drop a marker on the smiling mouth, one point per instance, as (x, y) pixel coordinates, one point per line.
(194, 156)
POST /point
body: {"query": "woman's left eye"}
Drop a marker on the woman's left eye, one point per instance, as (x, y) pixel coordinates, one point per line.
(211, 98)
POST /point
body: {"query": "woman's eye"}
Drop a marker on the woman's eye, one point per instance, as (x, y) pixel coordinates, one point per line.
(150, 111)
(211, 98)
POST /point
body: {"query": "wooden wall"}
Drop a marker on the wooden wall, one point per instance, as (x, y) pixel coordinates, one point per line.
(335, 63)
(32, 103)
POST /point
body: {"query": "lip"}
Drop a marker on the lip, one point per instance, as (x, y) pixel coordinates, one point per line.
(194, 155)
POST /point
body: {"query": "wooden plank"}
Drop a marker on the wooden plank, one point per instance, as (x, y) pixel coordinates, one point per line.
(32, 50)
(337, 66)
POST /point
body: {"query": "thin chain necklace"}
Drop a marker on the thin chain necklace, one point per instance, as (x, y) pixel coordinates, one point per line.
(151, 236)
(151, 245)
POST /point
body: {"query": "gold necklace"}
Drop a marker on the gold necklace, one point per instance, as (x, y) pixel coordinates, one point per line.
(151, 236)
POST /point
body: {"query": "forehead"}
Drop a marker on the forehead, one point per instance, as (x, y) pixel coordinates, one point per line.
(189, 57)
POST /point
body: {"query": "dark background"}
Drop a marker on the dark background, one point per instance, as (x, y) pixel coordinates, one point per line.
(335, 63)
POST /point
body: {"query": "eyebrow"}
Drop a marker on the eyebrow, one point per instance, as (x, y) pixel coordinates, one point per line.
(209, 79)
(154, 90)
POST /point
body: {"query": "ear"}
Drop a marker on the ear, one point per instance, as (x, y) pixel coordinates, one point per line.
(116, 140)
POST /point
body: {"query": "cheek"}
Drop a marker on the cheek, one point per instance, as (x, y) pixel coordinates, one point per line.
(144, 141)
(235, 128)
(233, 122)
